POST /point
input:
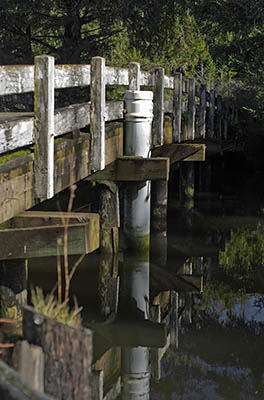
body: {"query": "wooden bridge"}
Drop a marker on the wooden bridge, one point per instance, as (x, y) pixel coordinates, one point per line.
(46, 151)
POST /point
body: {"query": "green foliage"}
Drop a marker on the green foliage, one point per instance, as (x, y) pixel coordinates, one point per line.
(243, 258)
(217, 297)
(50, 306)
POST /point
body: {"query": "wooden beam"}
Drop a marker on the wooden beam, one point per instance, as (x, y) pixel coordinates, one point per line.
(132, 333)
(134, 76)
(177, 108)
(35, 234)
(191, 109)
(44, 127)
(162, 280)
(180, 152)
(158, 107)
(134, 169)
(198, 156)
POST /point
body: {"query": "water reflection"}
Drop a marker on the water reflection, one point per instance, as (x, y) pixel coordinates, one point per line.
(213, 347)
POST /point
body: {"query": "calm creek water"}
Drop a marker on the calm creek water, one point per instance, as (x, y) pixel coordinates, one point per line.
(221, 342)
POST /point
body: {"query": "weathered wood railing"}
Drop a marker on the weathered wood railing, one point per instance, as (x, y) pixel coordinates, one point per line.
(195, 114)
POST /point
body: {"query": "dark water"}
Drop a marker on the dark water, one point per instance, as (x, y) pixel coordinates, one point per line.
(221, 334)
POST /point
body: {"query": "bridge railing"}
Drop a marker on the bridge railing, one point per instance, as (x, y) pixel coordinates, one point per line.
(195, 112)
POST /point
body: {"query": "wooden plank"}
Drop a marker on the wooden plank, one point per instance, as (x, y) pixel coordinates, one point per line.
(116, 76)
(44, 127)
(162, 280)
(16, 79)
(177, 108)
(75, 116)
(134, 169)
(168, 82)
(191, 109)
(16, 180)
(29, 361)
(41, 241)
(202, 112)
(16, 130)
(68, 355)
(114, 110)
(198, 156)
(147, 79)
(98, 113)
(158, 107)
(113, 142)
(179, 152)
(72, 75)
(72, 162)
(134, 76)
(13, 387)
(132, 333)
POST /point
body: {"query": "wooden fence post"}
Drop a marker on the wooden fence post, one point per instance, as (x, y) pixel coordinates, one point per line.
(211, 113)
(177, 108)
(202, 116)
(68, 355)
(191, 109)
(134, 76)
(158, 107)
(44, 127)
(98, 113)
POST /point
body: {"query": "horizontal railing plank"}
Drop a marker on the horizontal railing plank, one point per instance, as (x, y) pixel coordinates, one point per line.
(168, 82)
(17, 129)
(146, 79)
(72, 75)
(116, 76)
(16, 79)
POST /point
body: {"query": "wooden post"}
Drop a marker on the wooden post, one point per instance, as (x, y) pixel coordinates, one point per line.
(187, 314)
(13, 289)
(134, 76)
(155, 353)
(177, 108)
(158, 219)
(109, 217)
(219, 116)
(97, 385)
(174, 333)
(202, 116)
(29, 361)
(187, 184)
(158, 107)
(44, 127)
(68, 355)
(108, 286)
(98, 113)
(191, 109)
(211, 113)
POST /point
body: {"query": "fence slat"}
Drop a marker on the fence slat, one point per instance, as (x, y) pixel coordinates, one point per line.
(177, 108)
(97, 123)
(72, 75)
(44, 127)
(134, 76)
(16, 79)
(191, 109)
(202, 116)
(158, 107)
